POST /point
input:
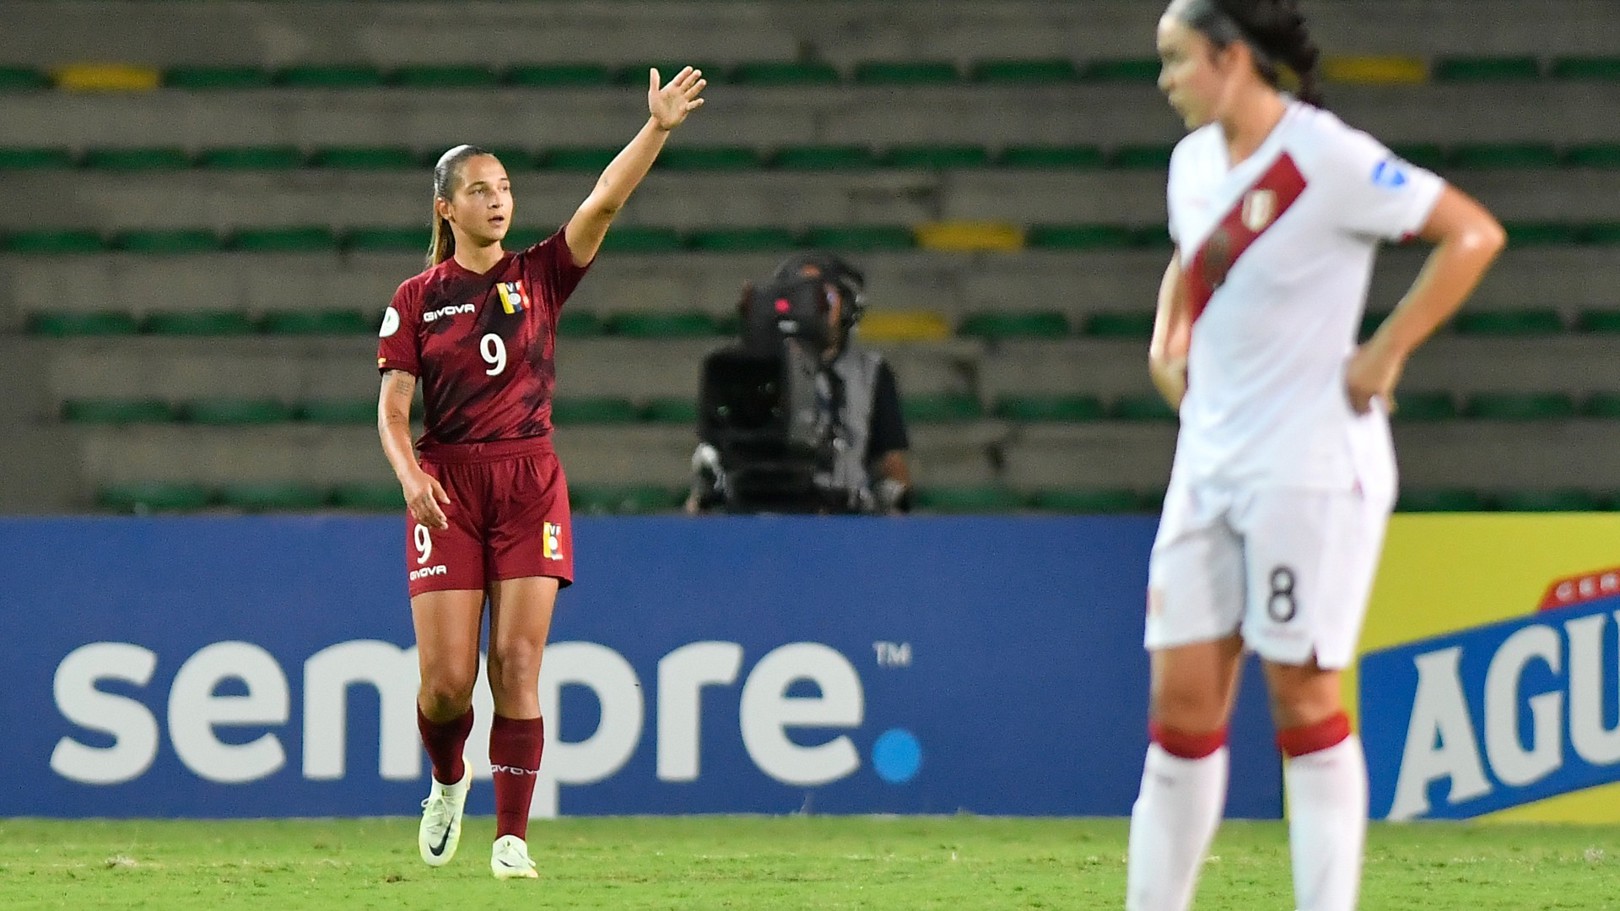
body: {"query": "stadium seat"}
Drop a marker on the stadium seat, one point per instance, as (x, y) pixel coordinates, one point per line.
(1444, 499)
(1146, 406)
(368, 497)
(223, 412)
(1001, 324)
(1520, 406)
(1556, 500)
(559, 75)
(216, 78)
(117, 411)
(905, 326)
(1541, 234)
(153, 497)
(63, 325)
(824, 158)
(1508, 322)
(1429, 155)
(1370, 321)
(906, 72)
(743, 240)
(198, 322)
(1593, 69)
(860, 238)
(34, 159)
(1087, 501)
(623, 499)
(1054, 157)
(710, 158)
(967, 500)
(603, 409)
(776, 73)
(308, 239)
(338, 411)
(156, 159)
(252, 158)
(1487, 69)
(271, 497)
(636, 239)
(366, 158)
(51, 243)
(579, 324)
(1523, 156)
(682, 410)
(1049, 408)
(330, 77)
(1601, 233)
(1375, 70)
(1080, 237)
(1426, 406)
(937, 158)
(317, 322)
(577, 159)
(635, 74)
(1120, 324)
(22, 79)
(1142, 157)
(445, 77)
(1025, 72)
(941, 408)
(970, 237)
(1144, 70)
(662, 324)
(387, 240)
(170, 242)
(1594, 155)
(1603, 405)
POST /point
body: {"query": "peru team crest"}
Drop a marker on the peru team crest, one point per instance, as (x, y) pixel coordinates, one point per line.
(514, 299)
(1259, 208)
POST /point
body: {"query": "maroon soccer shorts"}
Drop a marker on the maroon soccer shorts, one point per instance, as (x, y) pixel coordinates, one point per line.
(508, 515)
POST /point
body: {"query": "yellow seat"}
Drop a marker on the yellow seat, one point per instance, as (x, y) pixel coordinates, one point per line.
(107, 77)
(970, 236)
(1371, 70)
(904, 326)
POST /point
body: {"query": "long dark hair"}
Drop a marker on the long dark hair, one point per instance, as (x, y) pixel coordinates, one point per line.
(446, 175)
(1273, 29)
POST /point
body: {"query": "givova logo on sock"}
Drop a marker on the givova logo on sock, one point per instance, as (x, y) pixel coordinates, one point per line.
(1499, 715)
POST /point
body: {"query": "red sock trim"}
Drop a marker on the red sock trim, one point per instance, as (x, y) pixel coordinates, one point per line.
(1313, 738)
(1184, 744)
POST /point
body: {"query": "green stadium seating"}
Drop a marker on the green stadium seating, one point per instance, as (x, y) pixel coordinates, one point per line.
(330, 77)
(252, 158)
(317, 322)
(1049, 408)
(515, 159)
(1055, 157)
(1423, 154)
(1080, 237)
(117, 411)
(596, 409)
(51, 243)
(638, 239)
(1025, 72)
(362, 158)
(309, 239)
(1143, 157)
(446, 77)
(1136, 324)
(387, 240)
(168, 242)
(1601, 233)
(774, 73)
(936, 158)
(712, 158)
(861, 238)
(22, 79)
(941, 408)
(1520, 406)
(743, 240)
(1443, 499)
(681, 410)
(1146, 406)
(1542, 234)
(153, 497)
(662, 324)
(579, 324)
(635, 74)
(1598, 321)
(223, 412)
(1508, 322)
(1000, 324)
(271, 497)
(21, 159)
(560, 75)
(577, 159)
(1594, 155)
(623, 499)
(338, 411)
(906, 72)
(1556, 500)
(368, 497)
(216, 77)
(1486, 69)
(1599, 69)
(1525, 156)
(198, 323)
(1426, 406)
(64, 325)
(137, 159)
(1145, 69)
(1605, 405)
(824, 158)
(1087, 501)
(962, 500)
(1370, 321)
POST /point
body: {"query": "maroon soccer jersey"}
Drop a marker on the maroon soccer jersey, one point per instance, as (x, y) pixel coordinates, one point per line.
(482, 346)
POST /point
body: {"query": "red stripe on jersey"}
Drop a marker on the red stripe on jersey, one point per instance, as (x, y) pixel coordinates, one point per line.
(1257, 210)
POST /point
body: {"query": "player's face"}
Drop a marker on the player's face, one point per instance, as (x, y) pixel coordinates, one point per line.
(1193, 74)
(481, 204)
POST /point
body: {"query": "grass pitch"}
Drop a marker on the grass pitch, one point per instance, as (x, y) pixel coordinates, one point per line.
(960, 863)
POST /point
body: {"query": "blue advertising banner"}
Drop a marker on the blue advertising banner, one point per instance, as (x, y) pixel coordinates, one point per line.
(224, 667)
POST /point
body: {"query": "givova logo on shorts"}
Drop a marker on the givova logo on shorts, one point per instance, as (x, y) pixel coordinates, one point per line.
(1501, 715)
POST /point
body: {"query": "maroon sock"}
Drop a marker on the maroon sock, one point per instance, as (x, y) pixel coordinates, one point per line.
(515, 745)
(444, 741)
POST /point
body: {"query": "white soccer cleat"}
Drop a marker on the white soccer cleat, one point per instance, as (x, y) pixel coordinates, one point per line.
(510, 859)
(440, 830)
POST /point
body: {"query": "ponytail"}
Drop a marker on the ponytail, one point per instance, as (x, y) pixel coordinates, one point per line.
(1275, 32)
(446, 175)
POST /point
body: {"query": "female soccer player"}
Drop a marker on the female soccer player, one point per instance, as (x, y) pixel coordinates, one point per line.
(488, 504)
(1284, 474)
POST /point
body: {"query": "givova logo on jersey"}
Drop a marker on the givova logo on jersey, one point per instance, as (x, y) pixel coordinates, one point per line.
(1500, 715)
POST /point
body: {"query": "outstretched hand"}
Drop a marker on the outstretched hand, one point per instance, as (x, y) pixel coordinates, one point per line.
(670, 104)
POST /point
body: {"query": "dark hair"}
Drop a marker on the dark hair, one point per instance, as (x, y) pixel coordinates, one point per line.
(446, 174)
(1273, 29)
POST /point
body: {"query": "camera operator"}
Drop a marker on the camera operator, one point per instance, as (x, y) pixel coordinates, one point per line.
(800, 417)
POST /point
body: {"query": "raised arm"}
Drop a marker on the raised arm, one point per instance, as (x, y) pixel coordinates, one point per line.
(423, 494)
(1468, 238)
(667, 106)
(1172, 336)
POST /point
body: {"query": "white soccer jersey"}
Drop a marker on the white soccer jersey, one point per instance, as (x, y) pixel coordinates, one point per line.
(1277, 254)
